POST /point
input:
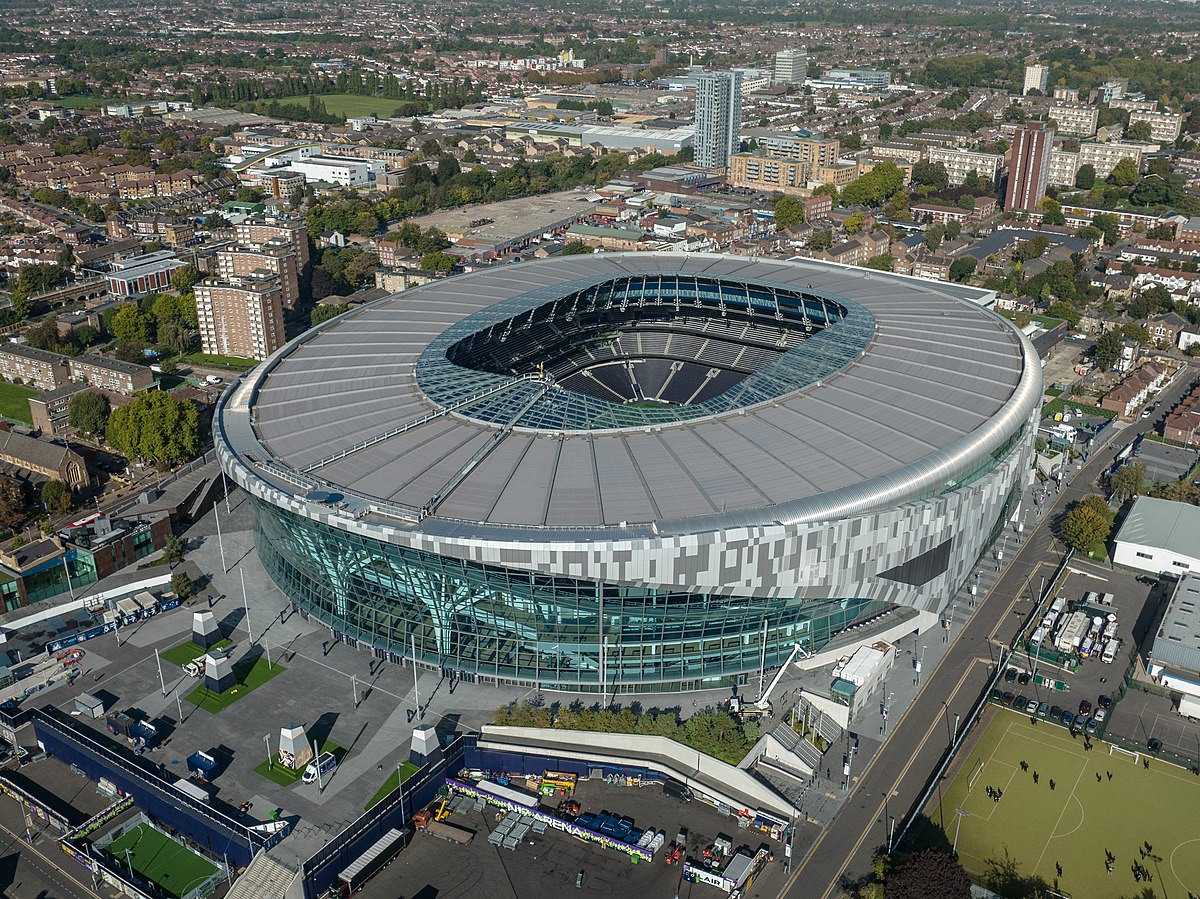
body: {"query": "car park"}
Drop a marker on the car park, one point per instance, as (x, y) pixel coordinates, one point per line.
(1043, 709)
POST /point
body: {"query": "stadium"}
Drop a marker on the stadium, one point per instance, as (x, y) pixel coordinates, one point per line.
(641, 471)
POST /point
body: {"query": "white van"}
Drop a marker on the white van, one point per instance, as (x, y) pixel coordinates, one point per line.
(1110, 651)
(325, 763)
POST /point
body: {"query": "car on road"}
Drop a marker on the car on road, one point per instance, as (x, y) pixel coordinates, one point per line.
(1085, 708)
(1056, 713)
(1068, 717)
(1146, 414)
(1032, 707)
(1010, 675)
(1024, 678)
(1007, 698)
(1043, 709)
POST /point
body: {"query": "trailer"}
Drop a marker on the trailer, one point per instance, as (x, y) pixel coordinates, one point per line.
(371, 862)
(196, 791)
(452, 833)
(510, 794)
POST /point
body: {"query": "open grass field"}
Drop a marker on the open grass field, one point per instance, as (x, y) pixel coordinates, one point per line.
(14, 401)
(250, 675)
(407, 770)
(231, 362)
(154, 856)
(1033, 828)
(350, 105)
(185, 652)
(86, 101)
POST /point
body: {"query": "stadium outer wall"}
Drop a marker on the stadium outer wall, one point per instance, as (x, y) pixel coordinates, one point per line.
(648, 613)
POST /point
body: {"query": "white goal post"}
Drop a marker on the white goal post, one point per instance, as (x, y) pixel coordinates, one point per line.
(1113, 748)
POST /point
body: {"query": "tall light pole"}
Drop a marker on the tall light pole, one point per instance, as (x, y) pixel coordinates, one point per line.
(246, 603)
(416, 687)
(887, 704)
(220, 540)
(961, 813)
(267, 740)
(161, 682)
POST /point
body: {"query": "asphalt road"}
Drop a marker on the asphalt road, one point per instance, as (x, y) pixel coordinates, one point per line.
(891, 786)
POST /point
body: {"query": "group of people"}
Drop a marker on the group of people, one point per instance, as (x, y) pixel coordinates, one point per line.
(994, 794)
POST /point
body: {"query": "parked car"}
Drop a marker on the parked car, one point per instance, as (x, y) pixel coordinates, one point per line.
(1021, 701)
(1091, 727)
(1105, 701)
(1043, 709)
(1100, 715)
(1056, 713)
(1068, 718)
(1010, 675)
(1154, 744)
(1007, 698)
(1024, 678)
(1032, 707)
(1085, 708)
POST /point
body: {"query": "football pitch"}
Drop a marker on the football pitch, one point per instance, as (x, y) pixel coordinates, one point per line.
(1033, 828)
(157, 858)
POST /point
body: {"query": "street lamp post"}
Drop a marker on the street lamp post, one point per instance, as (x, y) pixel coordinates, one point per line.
(267, 740)
(961, 813)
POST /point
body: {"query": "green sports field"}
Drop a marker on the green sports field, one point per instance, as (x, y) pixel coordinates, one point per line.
(159, 859)
(1032, 828)
(14, 401)
(352, 104)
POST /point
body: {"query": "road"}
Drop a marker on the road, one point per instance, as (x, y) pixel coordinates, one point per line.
(892, 784)
(40, 871)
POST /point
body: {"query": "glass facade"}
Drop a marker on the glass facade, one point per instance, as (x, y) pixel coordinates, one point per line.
(520, 626)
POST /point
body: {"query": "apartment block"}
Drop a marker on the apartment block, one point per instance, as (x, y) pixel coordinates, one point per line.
(241, 317)
(276, 257)
(807, 147)
(261, 229)
(28, 365)
(111, 374)
(791, 66)
(1029, 166)
(1063, 167)
(1073, 119)
(960, 163)
(1036, 78)
(756, 172)
(1165, 127)
(1104, 156)
(141, 275)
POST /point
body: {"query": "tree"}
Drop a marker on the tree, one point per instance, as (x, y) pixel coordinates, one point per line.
(131, 325)
(789, 212)
(853, 223)
(1128, 481)
(1124, 173)
(437, 261)
(962, 268)
(56, 496)
(930, 174)
(323, 312)
(576, 248)
(884, 262)
(182, 586)
(929, 874)
(88, 411)
(952, 230)
(173, 548)
(1085, 176)
(156, 426)
(1109, 227)
(12, 502)
(933, 237)
(1108, 350)
(1138, 131)
(185, 278)
(1086, 524)
(875, 187)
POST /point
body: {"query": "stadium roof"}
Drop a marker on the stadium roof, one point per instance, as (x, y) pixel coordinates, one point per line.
(941, 384)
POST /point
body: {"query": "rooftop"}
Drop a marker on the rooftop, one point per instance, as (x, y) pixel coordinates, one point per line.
(1163, 524)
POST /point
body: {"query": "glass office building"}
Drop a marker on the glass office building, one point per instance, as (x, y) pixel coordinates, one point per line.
(633, 472)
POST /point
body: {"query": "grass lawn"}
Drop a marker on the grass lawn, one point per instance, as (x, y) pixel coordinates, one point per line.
(14, 401)
(159, 859)
(1032, 827)
(1061, 403)
(407, 770)
(249, 676)
(183, 653)
(350, 105)
(285, 777)
(233, 362)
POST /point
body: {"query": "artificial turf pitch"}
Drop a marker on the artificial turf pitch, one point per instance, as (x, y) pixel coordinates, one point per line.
(159, 859)
(1073, 824)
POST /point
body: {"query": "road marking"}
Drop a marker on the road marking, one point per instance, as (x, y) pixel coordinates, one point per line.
(53, 867)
